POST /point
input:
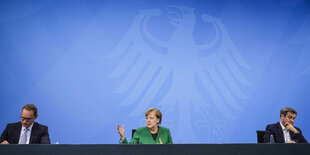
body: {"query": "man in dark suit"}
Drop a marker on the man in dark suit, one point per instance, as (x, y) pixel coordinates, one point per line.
(27, 131)
(284, 131)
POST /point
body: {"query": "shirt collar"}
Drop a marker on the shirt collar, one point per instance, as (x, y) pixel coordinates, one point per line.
(283, 128)
(30, 128)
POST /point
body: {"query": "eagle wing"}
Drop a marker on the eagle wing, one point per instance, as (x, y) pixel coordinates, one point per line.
(144, 67)
(221, 71)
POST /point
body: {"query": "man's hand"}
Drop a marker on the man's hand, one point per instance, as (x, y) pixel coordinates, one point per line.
(291, 128)
(291, 142)
(5, 142)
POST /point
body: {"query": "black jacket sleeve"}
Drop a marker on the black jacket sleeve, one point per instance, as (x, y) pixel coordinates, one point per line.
(299, 138)
(4, 135)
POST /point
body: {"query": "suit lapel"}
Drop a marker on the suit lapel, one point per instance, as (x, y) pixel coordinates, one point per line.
(292, 134)
(158, 134)
(149, 136)
(18, 129)
(33, 133)
(280, 132)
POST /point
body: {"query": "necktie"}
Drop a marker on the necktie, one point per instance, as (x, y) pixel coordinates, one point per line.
(23, 138)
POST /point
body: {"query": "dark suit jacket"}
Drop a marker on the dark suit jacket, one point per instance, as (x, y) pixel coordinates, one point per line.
(277, 132)
(39, 134)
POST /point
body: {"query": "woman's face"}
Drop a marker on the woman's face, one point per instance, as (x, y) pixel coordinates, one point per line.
(151, 120)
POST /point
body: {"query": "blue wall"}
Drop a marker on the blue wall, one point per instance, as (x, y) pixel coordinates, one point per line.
(218, 70)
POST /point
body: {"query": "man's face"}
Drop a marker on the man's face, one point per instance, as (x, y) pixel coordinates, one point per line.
(288, 119)
(27, 118)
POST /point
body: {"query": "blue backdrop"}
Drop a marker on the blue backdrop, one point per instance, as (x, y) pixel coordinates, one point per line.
(218, 70)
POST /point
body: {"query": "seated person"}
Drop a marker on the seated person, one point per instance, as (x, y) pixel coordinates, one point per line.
(151, 133)
(26, 131)
(284, 131)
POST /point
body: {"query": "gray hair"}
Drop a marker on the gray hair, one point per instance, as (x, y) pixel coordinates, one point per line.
(285, 110)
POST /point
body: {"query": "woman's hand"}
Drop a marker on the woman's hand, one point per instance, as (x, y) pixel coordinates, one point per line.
(121, 131)
(160, 142)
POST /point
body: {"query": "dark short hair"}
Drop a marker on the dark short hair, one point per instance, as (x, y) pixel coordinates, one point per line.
(285, 110)
(31, 107)
(156, 112)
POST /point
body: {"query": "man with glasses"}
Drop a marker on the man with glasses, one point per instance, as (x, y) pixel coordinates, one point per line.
(26, 131)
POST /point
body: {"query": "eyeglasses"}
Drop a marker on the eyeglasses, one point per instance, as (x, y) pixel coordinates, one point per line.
(26, 119)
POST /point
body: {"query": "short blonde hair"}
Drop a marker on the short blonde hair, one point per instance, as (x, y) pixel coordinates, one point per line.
(156, 112)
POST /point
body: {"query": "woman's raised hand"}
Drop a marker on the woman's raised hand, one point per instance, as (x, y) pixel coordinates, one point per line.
(121, 131)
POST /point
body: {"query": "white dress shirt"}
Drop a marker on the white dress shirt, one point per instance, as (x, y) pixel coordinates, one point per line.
(23, 130)
(286, 134)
